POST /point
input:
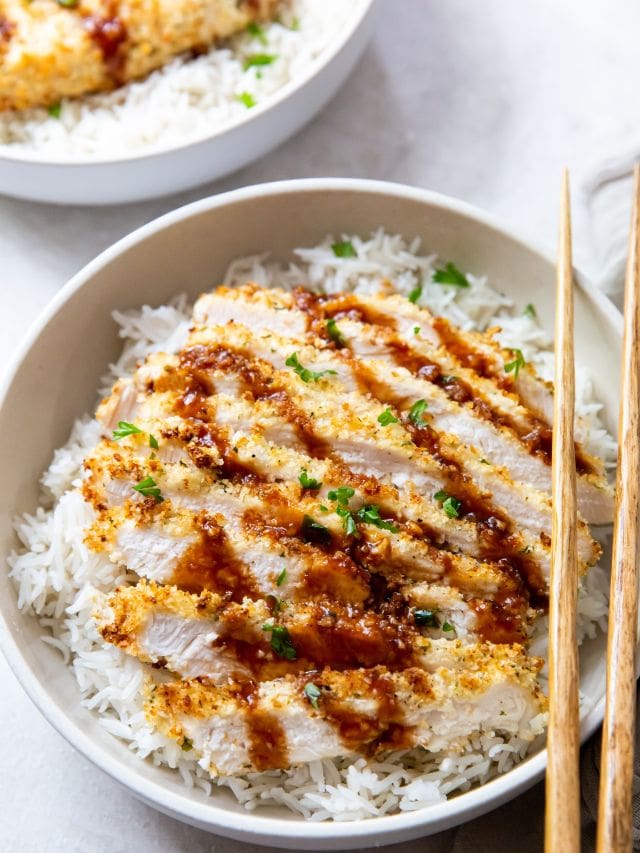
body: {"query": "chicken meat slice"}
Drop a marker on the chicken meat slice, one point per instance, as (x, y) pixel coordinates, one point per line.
(296, 719)
(207, 635)
(51, 50)
(349, 424)
(398, 369)
(418, 555)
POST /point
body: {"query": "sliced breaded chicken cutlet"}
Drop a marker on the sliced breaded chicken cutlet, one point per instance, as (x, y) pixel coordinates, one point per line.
(51, 50)
(338, 510)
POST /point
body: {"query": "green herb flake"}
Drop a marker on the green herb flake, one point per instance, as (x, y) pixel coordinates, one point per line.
(530, 311)
(187, 744)
(68, 4)
(247, 99)
(342, 495)
(281, 577)
(281, 641)
(254, 29)
(344, 249)
(450, 505)
(308, 482)
(148, 488)
(416, 293)
(416, 330)
(447, 627)
(370, 514)
(55, 110)
(305, 374)
(313, 693)
(348, 521)
(324, 508)
(387, 417)
(259, 60)
(153, 442)
(295, 24)
(515, 365)
(315, 532)
(335, 334)
(450, 274)
(125, 429)
(416, 413)
(426, 618)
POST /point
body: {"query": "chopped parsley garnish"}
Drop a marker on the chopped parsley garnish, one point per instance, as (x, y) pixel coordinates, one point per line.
(281, 577)
(447, 627)
(370, 514)
(515, 365)
(334, 333)
(416, 412)
(281, 641)
(530, 311)
(344, 249)
(387, 417)
(416, 330)
(342, 495)
(450, 505)
(305, 374)
(312, 692)
(125, 429)
(348, 521)
(426, 618)
(153, 442)
(55, 110)
(416, 293)
(68, 4)
(315, 532)
(148, 488)
(258, 60)
(308, 482)
(187, 744)
(450, 274)
(247, 99)
(254, 29)
(295, 24)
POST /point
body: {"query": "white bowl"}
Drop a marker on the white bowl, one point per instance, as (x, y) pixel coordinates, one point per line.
(54, 379)
(174, 168)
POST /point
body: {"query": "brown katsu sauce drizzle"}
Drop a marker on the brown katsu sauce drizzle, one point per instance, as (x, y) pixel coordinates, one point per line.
(384, 727)
(211, 564)
(7, 29)
(267, 741)
(109, 33)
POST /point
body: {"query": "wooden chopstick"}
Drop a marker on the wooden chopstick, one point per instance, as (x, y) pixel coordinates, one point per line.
(562, 812)
(615, 817)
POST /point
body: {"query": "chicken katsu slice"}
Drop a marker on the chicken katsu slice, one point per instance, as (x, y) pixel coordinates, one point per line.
(474, 356)
(398, 390)
(263, 518)
(398, 368)
(350, 425)
(248, 453)
(207, 635)
(296, 719)
(51, 50)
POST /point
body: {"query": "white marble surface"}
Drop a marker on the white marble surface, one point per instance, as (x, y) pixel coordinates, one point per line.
(485, 101)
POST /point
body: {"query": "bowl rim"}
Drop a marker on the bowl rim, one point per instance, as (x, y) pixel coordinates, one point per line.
(317, 66)
(255, 827)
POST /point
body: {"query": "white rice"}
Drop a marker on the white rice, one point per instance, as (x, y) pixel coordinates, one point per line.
(187, 99)
(59, 579)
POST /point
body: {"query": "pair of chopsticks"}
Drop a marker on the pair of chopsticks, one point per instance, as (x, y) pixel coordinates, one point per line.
(562, 815)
